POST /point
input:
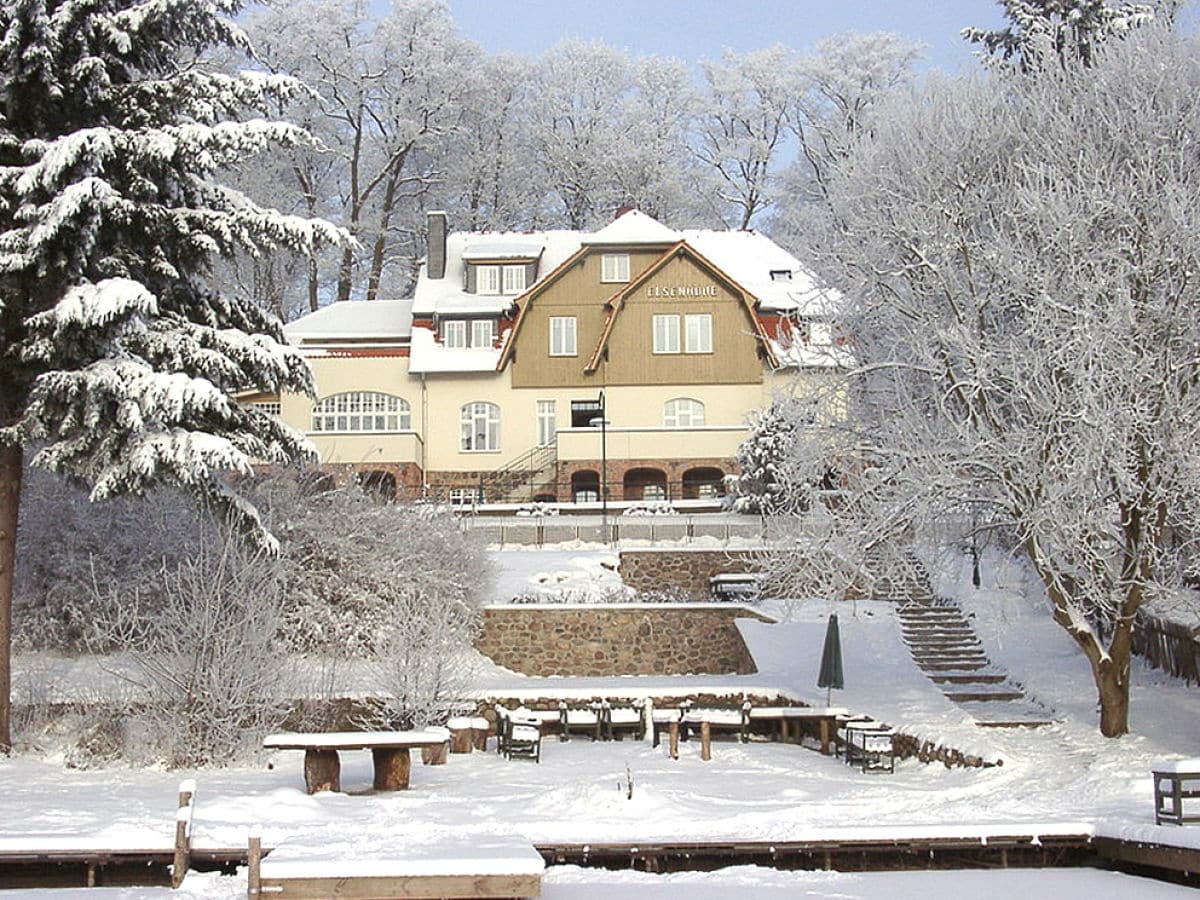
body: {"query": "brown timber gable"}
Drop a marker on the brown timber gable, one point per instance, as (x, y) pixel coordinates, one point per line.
(682, 282)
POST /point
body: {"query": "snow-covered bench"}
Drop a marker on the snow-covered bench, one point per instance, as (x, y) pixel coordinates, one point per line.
(389, 752)
(518, 733)
(869, 745)
(483, 866)
(1174, 784)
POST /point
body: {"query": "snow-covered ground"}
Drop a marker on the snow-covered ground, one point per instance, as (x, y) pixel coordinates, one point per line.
(1062, 777)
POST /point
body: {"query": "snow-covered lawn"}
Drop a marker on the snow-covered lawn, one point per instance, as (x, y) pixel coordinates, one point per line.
(1059, 778)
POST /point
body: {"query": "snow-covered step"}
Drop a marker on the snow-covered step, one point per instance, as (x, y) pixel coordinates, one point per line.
(982, 695)
(977, 677)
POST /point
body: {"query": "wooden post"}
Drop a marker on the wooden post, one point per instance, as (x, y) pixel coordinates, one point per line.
(675, 740)
(393, 766)
(183, 834)
(826, 726)
(254, 864)
(706, 740)
(322, 770)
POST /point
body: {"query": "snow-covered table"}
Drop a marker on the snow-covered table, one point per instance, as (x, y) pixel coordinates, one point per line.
(824, 717)
(389, 752)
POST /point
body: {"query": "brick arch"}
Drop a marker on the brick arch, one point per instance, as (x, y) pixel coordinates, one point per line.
(703, 481)
(644, 483)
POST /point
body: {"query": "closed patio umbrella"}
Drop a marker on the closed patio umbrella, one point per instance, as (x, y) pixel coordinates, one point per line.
(831, 675)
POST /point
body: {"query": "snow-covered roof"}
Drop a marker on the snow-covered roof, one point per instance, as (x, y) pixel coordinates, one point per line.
(379, 320)
(633, 227)
(750, 258)
(427, 355)
(448, 295)
(500, 248)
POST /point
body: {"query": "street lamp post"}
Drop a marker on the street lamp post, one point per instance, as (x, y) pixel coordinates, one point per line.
(603, 465)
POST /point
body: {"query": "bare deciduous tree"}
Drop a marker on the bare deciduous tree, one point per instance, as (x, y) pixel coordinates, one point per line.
(1020, 258)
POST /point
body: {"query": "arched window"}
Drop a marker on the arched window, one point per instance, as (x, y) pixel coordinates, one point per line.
(358, 411)
(480, 426)
(683, 412)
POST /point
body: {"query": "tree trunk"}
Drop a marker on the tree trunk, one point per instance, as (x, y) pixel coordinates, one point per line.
(10, 504)
(1112, 681)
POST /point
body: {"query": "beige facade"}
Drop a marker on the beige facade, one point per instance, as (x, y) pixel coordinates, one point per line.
(495, 397)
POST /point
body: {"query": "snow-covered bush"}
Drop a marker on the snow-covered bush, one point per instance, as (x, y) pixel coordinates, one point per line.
(207, 657)
(352, 565)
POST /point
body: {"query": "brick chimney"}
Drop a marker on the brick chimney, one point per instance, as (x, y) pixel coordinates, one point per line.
(435, 266)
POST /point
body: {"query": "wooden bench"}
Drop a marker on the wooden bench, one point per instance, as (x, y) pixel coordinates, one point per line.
(487, 867)
(1175, 783)
(389, 752)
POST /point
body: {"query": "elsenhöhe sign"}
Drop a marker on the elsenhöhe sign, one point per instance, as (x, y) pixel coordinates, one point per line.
(682, 290)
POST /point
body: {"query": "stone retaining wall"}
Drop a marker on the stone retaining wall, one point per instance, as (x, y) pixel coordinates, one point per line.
(682, 569)
(667, 639)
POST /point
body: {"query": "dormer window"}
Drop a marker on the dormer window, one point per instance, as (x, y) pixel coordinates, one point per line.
(614, 267)
(487, 279)
(514, 279)
(506, 280)
(781, 274)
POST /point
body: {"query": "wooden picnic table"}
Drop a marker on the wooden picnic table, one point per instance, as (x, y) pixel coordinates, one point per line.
(824, 717)
(389, 752)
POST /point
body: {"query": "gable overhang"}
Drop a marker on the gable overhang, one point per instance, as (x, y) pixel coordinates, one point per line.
(616, 302)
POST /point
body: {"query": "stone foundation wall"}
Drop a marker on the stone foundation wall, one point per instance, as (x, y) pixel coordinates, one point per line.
(675, 639)
(682, 569)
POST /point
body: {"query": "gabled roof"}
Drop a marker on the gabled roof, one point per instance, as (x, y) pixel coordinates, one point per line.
(633, 227)
(682, 248)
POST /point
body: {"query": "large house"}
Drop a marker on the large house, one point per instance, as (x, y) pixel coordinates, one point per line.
(543, 365)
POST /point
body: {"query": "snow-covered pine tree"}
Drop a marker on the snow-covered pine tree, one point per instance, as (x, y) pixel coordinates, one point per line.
(769, 483)
(1057, 29)
(118, 354)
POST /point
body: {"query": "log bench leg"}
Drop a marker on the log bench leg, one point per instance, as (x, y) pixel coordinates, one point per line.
(674, 740)
(392, 768)
(706, 741)
(322, 771)
(435, 755)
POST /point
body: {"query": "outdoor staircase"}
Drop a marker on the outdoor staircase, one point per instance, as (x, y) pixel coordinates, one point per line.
(524, 478)
(945, 647)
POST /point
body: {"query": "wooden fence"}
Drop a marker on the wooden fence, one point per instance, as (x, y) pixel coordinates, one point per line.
(1168, 646)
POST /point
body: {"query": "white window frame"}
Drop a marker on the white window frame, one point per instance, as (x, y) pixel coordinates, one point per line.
(268, 407)
(683, 412)
(562, 336)
(487, 280)
(454, 334)
(666, 333)
(513, 279)
(461, 496)
(483, 333)
(479, 427)
(547, 423)
(357, 412)
(697, 332)
(614, 268)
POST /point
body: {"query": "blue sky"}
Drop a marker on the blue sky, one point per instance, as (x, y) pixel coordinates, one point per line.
(696, 29)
